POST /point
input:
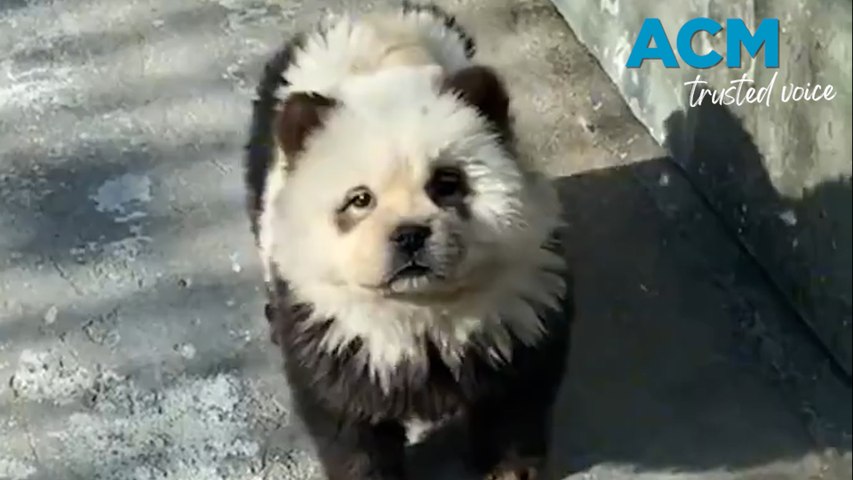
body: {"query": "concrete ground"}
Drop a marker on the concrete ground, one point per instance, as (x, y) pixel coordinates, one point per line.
(132, 344)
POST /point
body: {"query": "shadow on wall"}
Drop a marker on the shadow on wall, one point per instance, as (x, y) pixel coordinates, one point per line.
(686, 358)
(803, 244)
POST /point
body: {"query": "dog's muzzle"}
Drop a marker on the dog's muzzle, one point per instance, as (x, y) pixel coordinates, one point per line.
(410, 257)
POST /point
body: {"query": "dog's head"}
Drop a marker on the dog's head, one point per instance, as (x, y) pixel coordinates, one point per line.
(403, 185)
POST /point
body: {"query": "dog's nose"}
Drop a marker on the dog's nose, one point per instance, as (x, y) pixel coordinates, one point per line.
(410, 238)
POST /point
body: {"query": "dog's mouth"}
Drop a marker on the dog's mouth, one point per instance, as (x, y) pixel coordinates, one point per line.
(420, 284)
(410, 270)
(409, 278)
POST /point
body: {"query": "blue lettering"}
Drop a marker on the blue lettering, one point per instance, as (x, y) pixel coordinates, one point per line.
(651, 29)
(737, 35)
(766, 34)
(685, 37)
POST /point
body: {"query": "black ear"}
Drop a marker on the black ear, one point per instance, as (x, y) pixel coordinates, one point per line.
(483, 89)
(300, 115)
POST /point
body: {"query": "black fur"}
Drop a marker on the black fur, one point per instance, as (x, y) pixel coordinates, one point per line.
(449, 22)
(481, 87)
(260, 151)
(300, 115)
(356, 424)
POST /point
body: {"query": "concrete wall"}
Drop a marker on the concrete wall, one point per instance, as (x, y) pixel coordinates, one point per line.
(779, 175)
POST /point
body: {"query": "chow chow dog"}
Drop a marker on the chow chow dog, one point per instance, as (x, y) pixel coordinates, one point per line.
(412, 258)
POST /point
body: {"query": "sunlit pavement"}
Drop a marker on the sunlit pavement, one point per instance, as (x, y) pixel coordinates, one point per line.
(132, 344)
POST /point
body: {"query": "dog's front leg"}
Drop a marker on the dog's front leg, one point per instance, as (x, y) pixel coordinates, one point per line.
(362, 450)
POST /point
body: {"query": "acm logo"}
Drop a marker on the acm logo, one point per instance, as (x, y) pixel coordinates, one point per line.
(737, 35)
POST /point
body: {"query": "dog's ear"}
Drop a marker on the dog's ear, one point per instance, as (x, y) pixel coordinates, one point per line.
(482, 88)
(300, 115)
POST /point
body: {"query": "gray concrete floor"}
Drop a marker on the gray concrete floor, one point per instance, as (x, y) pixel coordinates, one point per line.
(131, 340)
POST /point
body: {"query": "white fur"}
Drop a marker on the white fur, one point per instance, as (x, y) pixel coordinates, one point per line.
(395, 123)
(354, 46)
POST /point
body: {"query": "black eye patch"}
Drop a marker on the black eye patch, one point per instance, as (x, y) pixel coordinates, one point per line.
(448, 187)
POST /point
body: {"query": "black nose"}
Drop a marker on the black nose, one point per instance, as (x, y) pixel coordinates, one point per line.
(410, 238)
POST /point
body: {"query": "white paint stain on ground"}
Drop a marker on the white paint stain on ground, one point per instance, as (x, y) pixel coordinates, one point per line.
(186, 350)
(123, 196)
(198, 428)
(50, 315)
(13, 469)
(33, 88)
(49, 376)
(127, 249)
(235, 263)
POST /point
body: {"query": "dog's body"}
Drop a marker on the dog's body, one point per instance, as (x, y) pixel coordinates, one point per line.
(408, 254)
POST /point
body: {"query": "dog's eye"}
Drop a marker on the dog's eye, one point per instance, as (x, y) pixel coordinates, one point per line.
(446, 182)
(359, 199)
(362, 200)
